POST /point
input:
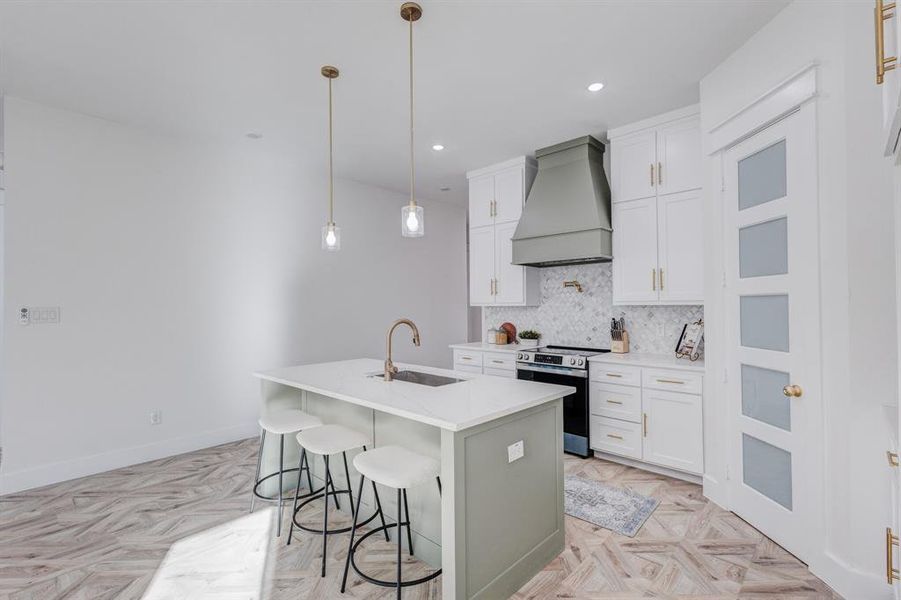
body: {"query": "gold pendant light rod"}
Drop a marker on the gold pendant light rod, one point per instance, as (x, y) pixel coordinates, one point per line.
(410, 12)
(330, 72)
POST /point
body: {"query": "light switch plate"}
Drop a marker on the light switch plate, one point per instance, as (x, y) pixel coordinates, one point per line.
(42, 315)
(515, 451)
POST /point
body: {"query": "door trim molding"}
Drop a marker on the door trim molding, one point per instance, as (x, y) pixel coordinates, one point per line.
(774, 104)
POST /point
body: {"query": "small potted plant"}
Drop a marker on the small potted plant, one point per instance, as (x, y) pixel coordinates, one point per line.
(529, 338)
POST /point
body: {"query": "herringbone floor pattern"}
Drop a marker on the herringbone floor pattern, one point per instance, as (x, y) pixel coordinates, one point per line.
(178, 528)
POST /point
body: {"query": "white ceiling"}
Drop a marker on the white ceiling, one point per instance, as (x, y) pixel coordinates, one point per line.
(494, 79)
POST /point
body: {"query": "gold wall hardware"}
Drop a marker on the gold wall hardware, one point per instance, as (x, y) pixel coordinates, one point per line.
(792, 391)
(659, 174)
(390, 369)
(613, 375)
(661, 279)
(891, 540)
(614, 402)
(644, 424)
(331, 234)
(670, 381)
(614, 436)
(412, 217)
(892, 458)
(654, 279)
(652, 174)
(573, 284)
(884, 63)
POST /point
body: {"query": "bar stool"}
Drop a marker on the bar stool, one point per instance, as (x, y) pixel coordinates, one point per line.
(326, 441)
(399, 468)
(281, 422)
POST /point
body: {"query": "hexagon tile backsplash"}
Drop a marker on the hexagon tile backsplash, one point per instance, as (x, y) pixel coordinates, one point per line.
(570, 318)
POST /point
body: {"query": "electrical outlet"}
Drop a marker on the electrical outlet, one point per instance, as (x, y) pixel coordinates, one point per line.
(515, 451)
(39, 315)
(156, 416)
(24, 316)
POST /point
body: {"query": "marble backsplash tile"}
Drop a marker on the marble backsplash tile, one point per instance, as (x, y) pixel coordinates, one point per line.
(568, 317)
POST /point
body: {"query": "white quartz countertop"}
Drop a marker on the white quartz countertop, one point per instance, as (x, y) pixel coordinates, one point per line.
(457, 406)
(483, 347)
(640, 359)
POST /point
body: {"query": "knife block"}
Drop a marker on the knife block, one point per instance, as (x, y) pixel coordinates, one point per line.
(620, 346)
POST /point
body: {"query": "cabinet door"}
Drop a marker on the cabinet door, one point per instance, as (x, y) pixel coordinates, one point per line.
(672, 430)
(632, 160)
(510, 287)
(679, 156)
(481, 194)
(481, 265)
(509, 195)
(635, 252)
(680, 279)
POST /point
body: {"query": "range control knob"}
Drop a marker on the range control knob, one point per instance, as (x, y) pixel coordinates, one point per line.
(519, 356)
(572, 361)
(581, 362)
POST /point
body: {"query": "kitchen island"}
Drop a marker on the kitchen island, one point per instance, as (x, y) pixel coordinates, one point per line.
(498, 521)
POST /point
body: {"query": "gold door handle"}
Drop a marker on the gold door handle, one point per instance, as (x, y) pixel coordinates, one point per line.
(614, 436)
(659, 174)
(891, 540)
(652, 174)
(792, 391)
(613, 402)
(654, 279)
(644, 424)
(881, 14)
(661, 279)
(892, 458)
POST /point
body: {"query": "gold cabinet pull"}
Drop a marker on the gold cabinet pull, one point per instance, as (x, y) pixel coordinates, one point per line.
(613, 375)
(891, 540)
(613, 402)
(884, 63)
(792, 391)
(644, 424)
(652, 174)
(495, 287)
(670, 381)
(654, 279)
(614, 436)
(661, 279)
(892, 458)
(497, 362)
(465, 358)
(659, 176)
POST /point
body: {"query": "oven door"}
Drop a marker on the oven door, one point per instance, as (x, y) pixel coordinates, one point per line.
(575, 406)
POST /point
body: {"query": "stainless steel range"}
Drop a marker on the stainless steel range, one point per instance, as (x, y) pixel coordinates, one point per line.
(563, 365)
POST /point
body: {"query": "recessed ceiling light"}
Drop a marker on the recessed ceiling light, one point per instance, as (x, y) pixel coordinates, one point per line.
(596, 87)
(254, 135)
(438, 147)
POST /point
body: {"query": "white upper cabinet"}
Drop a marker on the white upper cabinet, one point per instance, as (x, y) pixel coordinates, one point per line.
(657, 210)
(496, 198)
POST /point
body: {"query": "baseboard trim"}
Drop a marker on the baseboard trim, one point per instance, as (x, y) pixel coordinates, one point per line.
(631, 462)
(48, 474)
(716, 492)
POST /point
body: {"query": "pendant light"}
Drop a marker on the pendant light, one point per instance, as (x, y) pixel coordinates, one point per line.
(412, 219)
(331, 233)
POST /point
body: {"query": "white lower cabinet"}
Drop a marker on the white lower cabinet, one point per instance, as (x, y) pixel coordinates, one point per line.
(649, 414)
(485, 362)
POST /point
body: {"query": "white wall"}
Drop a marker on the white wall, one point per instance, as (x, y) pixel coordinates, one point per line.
(181, 268)
(857, 271)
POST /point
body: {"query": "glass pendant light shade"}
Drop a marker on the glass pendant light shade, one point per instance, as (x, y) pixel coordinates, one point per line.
(412, 221)
(331, 237)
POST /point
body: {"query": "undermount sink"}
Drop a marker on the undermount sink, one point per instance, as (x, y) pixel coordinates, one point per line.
(421, 378)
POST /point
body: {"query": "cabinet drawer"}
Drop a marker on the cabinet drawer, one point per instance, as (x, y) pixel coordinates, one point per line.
(617, 401)
(619, 374)
(673, 381)
(465, 357)
(500, 372)
(616, 437)
(499, 360)
(467, 368)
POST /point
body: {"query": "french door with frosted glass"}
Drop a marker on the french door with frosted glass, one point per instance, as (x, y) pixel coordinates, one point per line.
(772, 323)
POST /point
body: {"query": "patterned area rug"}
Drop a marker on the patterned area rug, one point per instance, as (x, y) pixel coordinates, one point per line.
(616, 509)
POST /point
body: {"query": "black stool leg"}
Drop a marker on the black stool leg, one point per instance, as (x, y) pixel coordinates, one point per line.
(347, 479)
(303, 459)
(378, 503)
(305, 463)
(353, 530)
(253, 491)
(328, 478)
(281, 471)
(409, 534)
(330, 483)
(399, 544)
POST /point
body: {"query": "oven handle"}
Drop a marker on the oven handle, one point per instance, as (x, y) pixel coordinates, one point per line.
(581, 373)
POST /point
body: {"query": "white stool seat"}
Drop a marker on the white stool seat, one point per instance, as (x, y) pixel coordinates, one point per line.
(396, 467)
(331, 439)
(288, 420)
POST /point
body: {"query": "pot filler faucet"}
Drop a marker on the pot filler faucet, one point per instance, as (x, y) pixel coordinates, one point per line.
(390, 369)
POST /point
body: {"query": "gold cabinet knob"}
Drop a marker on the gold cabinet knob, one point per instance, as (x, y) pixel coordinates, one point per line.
(792, 391)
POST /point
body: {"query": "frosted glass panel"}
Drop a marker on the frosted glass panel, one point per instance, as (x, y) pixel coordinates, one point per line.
(767, 469)
(762, 397)
(763, 249)
(761, 176)
(764, 322)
